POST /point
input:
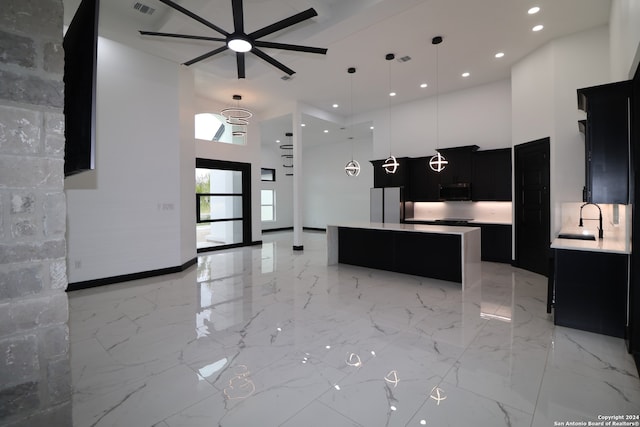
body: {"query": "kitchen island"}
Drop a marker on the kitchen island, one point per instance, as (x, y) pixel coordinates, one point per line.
(441, 252)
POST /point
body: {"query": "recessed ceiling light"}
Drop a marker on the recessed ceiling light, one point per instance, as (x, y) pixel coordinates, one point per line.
(499, 54)
(371, 128)
(466, 74)
(533, 10)
(326, 131)
(392, 94)
(335, 105)
(423, 85)
(537, 28)
(302, 124)
(277, 141)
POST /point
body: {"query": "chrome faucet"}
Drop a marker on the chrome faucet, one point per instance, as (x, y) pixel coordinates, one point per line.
(600, 232)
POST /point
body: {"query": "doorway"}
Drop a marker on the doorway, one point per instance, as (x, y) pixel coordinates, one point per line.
(223, 204)
(532, 206)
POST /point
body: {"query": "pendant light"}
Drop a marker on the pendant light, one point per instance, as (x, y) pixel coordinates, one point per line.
(353, 167)
(390, 165)
(237, 116)
(288, 149)
(437, 163)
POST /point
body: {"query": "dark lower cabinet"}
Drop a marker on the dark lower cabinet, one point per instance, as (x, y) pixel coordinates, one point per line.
(496, 242)
(422, 254)
(429, 255)
(591, 291)
(373, 247)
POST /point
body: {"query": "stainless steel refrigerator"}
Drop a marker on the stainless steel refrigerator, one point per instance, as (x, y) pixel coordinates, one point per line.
(386, 205)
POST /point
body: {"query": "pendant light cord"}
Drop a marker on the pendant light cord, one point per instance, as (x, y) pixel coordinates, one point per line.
(437, 100)
(389, 57)
(351, 71)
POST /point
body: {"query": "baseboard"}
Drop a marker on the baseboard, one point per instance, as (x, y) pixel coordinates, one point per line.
(128, 277)
(271, 230)
(225, 247)
(324, 230)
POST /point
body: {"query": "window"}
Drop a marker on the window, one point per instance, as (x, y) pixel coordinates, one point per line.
(214, 127)
(267, 174)
(268, 205)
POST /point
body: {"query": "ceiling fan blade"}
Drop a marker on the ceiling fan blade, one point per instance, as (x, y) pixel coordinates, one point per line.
(287, 22)
(238, 16)
(295, 47)
(272, 61)
(240, 61)
(206, 55)
(194, 16)
(182, 36)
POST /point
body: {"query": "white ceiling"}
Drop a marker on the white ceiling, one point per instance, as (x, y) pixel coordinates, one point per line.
(357, 33)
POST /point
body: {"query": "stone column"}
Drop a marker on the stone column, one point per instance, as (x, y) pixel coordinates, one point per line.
(35, 379)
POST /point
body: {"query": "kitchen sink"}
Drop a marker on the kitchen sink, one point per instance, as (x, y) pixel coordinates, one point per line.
(576, 236)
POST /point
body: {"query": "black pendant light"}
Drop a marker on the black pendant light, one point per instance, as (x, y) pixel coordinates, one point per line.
(437, 162)
(353, 167)
(390, 165)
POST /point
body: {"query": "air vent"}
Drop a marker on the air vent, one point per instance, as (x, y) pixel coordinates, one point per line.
(143, 8)
(405, 58)
(286, 78)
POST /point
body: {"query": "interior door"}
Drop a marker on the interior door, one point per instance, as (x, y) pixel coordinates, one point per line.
(532, 206)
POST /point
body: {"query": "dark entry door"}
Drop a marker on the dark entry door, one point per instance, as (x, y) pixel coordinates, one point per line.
(532, 205)
(223, 204)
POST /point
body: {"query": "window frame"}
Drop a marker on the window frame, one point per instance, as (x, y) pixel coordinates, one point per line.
(272, 205)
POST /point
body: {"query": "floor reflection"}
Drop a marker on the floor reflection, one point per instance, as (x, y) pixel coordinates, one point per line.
(263, 335)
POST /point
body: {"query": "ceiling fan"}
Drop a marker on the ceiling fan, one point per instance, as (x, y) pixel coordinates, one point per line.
(241, 42)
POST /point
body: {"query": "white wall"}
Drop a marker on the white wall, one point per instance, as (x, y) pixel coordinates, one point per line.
(187, 164)
(124, 217)
(624, 24)
(579, 60)
(544, 104)
(248, 153)
(532, 97)
(479, 115)
(329, 195)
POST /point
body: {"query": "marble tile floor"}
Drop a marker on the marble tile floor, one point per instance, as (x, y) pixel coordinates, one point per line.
(265, 336)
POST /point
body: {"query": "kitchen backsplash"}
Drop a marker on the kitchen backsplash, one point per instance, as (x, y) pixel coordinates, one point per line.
(616, 219)
(488, 212)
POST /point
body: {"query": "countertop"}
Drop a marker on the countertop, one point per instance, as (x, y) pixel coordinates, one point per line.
(420, 228)
(607, 244)
(472, 222)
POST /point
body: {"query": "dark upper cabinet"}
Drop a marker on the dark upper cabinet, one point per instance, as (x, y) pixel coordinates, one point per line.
(488, 172)
(382, 179)
(606, 133)
(459, 167)
(491, 175)
(423, 184)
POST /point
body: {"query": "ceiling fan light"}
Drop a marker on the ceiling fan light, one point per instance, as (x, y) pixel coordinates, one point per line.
(238, 44)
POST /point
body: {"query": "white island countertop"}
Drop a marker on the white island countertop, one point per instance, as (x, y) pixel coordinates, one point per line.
(420, 228)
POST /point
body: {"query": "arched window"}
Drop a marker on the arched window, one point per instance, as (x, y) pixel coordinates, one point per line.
(214, 127)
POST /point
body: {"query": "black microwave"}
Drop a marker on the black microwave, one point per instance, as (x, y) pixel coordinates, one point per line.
(457, 191)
